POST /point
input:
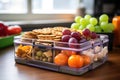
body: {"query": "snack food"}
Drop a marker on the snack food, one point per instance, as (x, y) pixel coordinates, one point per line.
(48, 50)
(54, 33)
(24, 52)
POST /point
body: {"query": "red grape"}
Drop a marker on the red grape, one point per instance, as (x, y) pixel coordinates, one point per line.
(86, 32)
(66, 32)
(93, 35)
(76, 35)
(71, 41)
(65, 38)
(83, 40)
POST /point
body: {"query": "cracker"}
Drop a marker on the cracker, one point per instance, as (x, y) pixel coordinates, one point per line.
(54, 33)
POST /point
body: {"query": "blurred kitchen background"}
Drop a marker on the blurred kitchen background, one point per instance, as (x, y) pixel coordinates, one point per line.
(34, 14)
(22, 10)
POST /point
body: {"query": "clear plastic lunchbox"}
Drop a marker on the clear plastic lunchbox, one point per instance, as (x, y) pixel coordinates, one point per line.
(41, 53)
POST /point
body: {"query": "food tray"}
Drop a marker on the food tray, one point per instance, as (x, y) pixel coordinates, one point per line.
(55, 47)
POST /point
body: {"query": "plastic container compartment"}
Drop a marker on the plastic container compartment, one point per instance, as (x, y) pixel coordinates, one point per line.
(111, 38)
(40, 53)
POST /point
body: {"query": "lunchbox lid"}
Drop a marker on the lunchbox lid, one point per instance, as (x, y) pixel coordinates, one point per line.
(62, 45)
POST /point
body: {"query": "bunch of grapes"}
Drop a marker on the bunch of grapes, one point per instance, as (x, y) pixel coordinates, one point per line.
(75, 37)
(93, 24)
(71, 37)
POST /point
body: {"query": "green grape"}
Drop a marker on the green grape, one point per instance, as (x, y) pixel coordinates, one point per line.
(103, 21)
(104, 17)
(98, 29)
(87, 17)
(81, 27)
(93, 21)
(87, 22)
(107, 31)
(111, 26)
(83, 21)
(75, 26)
(104, 25)
(77, 19)
(91, 27)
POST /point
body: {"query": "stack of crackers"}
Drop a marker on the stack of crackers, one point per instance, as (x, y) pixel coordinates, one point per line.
(54, 33)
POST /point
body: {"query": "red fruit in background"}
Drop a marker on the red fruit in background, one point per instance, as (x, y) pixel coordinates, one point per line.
(66, 32)
(3, 29)
(76, 35)
(14, 30)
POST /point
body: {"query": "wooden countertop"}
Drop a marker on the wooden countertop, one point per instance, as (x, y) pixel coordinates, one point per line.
(9, 70)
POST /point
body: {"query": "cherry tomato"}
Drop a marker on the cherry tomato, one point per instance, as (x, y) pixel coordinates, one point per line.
(14, 30)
